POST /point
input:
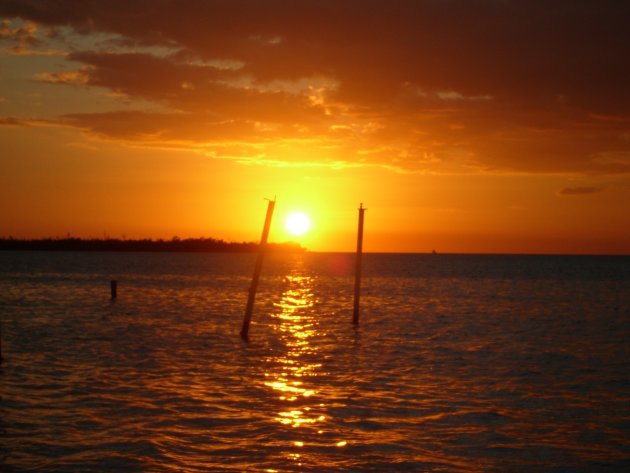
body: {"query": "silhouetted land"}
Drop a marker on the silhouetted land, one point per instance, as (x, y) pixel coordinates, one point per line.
(175, 244)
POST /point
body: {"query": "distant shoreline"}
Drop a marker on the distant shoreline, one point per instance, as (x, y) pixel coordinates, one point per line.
(190, 245)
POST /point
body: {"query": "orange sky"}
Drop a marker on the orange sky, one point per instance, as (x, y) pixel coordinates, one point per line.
(489, 126)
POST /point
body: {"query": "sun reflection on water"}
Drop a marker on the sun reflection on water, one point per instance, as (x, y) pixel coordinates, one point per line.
(292, 371)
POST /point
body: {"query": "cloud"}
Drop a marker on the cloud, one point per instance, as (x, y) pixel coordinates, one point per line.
(11, 121)
(26, 122)
(498, 86)
(23, 39)
(580, 190)
(22, 35)
(79, 77)
(152, 127)
(450, 95)
(20, 51)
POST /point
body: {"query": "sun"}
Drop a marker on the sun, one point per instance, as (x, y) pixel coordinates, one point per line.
(297, 223)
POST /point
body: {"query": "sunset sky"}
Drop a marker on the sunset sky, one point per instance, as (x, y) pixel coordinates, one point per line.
(490, 126)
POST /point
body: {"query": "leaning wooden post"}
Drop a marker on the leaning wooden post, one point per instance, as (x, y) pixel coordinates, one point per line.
(357, 272)
(259, 260)
(113, 288)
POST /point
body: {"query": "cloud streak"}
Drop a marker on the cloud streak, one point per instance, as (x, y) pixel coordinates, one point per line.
(586, 190)
(486, 86)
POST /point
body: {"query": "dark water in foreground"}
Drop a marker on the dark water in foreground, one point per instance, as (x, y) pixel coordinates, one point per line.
(461, 364)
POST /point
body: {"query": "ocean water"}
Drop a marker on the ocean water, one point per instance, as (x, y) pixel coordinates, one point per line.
(461, 363)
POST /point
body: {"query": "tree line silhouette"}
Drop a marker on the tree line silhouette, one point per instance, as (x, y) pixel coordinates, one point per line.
(113, 244)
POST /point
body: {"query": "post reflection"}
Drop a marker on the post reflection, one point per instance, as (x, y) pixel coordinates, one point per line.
(293, 369)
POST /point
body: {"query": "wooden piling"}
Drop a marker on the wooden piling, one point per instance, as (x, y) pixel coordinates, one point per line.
(357, 271)
(114, 289)
(257, 268)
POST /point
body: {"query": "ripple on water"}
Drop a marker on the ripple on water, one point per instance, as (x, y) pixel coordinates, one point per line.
(448, 371)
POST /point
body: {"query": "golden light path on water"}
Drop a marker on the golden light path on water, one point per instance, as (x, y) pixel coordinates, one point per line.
(292, 375)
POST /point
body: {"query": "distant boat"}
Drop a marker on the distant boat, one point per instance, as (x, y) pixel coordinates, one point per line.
(434, 252)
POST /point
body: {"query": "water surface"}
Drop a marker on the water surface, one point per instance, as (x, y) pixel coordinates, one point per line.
(461, 363)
